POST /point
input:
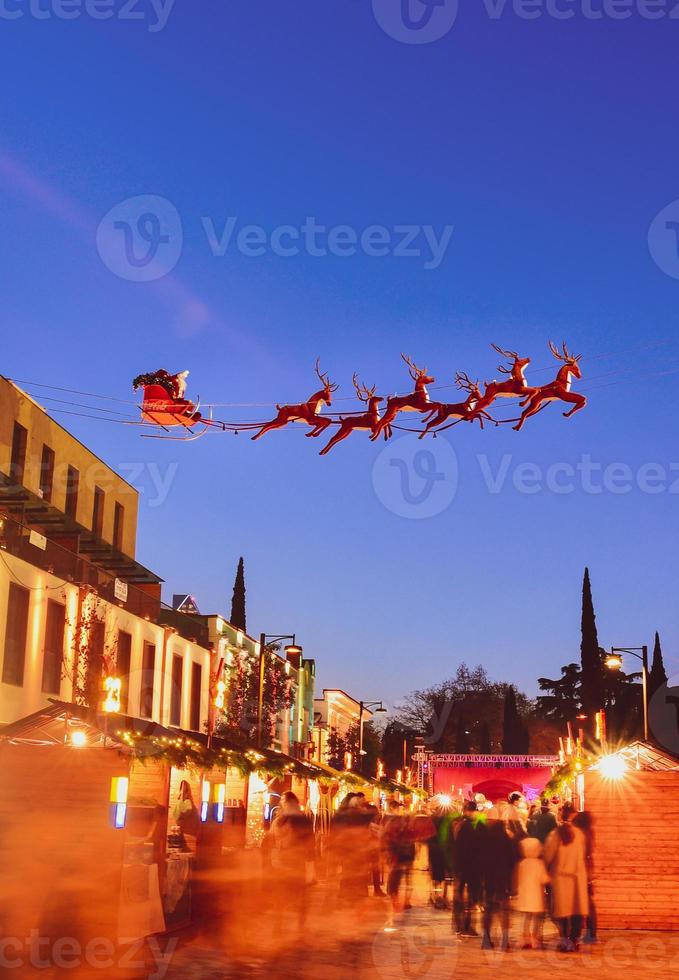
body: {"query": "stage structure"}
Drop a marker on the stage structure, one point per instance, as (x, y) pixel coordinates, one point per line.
(496, 776)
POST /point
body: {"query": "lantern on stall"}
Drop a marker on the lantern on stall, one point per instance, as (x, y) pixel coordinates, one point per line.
(112, 691)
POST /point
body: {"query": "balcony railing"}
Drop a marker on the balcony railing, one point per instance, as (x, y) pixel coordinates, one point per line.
(43, 553)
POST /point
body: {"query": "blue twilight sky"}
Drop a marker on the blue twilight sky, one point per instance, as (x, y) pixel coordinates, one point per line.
(549, 145)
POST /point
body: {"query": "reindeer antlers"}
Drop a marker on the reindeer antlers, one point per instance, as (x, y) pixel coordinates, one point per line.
(363, 392)
(564, 354)
(509, 354)
(323, 377)
(462, 380)
(413, 367)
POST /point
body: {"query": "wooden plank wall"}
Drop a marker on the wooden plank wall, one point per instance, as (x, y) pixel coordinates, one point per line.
(60, 857)
(636, 850)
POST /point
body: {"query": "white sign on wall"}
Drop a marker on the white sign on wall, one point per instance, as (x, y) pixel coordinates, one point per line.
(120, 590)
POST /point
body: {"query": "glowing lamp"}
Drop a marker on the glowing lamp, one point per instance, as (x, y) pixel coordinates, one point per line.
(220, 799)
(220, 696)
(112, 689)
(205, 801)
(292, 650)
(613, 661)
(119, 789)
(78, 738)
(380, 770)
(347, 760)
(612, 766)
(444, 800)
(399, 776)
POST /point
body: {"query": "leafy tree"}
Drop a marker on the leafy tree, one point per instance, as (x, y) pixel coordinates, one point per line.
(563, 704)
(239, 720)
(238, 599)
(485, 746)
(470, 695)
(394, 735)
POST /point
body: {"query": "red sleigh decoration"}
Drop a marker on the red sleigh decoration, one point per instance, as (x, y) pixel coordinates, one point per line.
(164, 404)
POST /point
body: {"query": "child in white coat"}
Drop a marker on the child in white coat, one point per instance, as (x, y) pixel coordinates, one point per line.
(532, 877)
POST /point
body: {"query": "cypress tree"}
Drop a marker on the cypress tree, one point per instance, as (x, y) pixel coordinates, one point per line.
(592, 667)
(658, 675)
(238, 600)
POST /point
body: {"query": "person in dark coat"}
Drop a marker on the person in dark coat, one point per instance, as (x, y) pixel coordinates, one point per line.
(499, 857)
(585, 823)
(542, 823)
(468, 868)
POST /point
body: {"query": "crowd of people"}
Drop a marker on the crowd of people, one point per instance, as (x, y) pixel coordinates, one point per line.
(485, 861)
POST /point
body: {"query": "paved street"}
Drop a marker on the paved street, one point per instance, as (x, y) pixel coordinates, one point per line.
(338, 944)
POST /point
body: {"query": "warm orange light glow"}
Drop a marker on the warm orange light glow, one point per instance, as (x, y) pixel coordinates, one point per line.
(78, 738)
(612, 766)
(220, 696)
(112, 688)
(614, 661)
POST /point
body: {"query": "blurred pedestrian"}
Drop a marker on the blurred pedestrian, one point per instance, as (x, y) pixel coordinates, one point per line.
(532, 879)
(467, 868)
(566, 859)
(543, 822)
(584, 822)
(292, 857)
(499, 857)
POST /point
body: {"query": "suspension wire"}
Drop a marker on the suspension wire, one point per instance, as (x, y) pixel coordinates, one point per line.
(124, 401)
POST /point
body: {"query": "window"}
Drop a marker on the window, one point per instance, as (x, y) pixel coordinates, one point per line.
(118, 526)
(98, 512)
(176, 692)
(72, 482)
(148, 667)
(196, 684)
(123, 661)
(15, 636)
(18, 462)
(47, 473)
(54, 647)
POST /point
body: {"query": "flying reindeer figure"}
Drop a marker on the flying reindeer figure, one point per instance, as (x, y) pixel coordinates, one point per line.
(367, 420)
(558, 390)
(417, 401)
(307, 412)
(514, 386)
(468, 410)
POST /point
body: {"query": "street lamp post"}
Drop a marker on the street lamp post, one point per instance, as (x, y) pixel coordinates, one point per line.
(265, 641)
(614, 662)
(366, 706)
